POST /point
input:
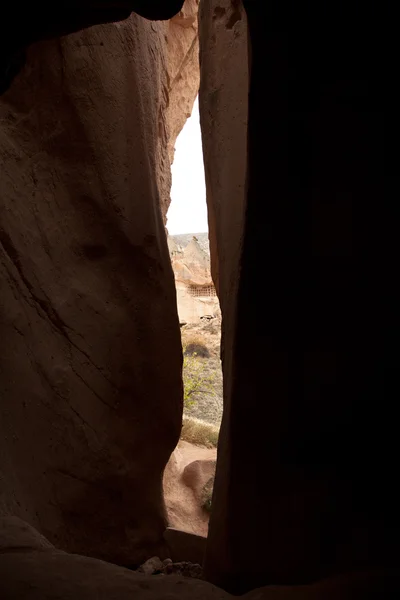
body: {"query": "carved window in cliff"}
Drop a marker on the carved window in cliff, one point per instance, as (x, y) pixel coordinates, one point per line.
(202, 291)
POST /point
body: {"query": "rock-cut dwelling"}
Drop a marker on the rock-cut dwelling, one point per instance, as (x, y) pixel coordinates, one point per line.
(195, 290)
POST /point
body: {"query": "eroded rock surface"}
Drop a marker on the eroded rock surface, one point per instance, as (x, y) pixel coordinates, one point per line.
(180, 88)
(223, 115)
(22, 24)
(187, 473)
(308, 443)
(90, 351)
(183, 68)
(49, 574)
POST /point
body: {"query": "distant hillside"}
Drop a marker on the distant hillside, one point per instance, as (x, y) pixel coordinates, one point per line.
(183, 239)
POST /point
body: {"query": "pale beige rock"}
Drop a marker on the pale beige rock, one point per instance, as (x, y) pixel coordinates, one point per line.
(179, 89)
(197, 475)
(183, 68)
(182, 495)
(192, 270)
(195, 263)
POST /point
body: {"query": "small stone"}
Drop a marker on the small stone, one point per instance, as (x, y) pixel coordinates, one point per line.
(167, 561)
(152, 566)
(184, 568)
(195, 571)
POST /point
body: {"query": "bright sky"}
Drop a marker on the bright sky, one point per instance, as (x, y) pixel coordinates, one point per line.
(187, 212)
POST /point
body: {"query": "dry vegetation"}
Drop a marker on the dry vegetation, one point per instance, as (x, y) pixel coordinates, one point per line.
(202, 378)
(207, 494)
(199, 432)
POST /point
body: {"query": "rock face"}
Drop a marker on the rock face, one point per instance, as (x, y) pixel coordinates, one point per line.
(180, 89)
(309, 442)
(90, 351)
(195, 291)
(183, 69)
(223, 116)
(183, 545)
(188, 471)
(90, 408)
(22, 24)
(34, 570)
(192, 265)
(38, 573)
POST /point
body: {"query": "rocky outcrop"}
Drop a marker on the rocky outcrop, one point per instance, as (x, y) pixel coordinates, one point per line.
(180, 88)
(181, 240)
(223, 116)
(27, 23)
(188, 471)
(192, 265)
(307, 452)
(196, 295)
(87, 305)
(305, 485)
(34, 571)
(183, 69)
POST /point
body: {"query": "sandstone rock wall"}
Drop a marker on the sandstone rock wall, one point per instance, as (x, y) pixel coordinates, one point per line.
(90, 349)
(195, 291)
(180, 88)
(31, 568)
(308, 444)
(183, 68)
(306, 481)
(223, 116)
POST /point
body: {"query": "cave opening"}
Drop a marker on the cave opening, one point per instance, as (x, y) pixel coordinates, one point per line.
(200, 325)
(306, 500)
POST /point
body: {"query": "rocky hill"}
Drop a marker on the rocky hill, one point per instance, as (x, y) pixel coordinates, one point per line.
(183, 240)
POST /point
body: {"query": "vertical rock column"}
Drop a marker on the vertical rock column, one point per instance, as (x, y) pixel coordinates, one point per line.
(90, 355)
(308, 447)
(180, 88)
(223, 115)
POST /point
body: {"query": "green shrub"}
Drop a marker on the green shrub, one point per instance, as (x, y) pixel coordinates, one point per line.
(196, 378)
